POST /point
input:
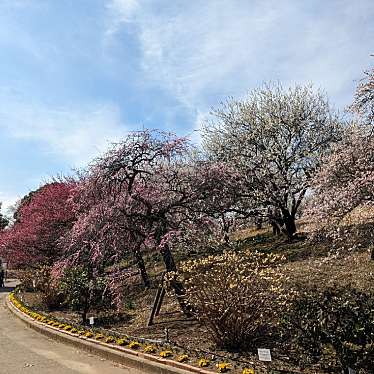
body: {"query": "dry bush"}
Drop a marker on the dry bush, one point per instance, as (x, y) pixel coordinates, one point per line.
(26, 278)
(237, 296)
(50, 297)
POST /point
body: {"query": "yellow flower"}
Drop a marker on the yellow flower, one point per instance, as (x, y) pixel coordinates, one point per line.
(121, 341)
(182, 358)
(149, 348)
(166, 353)
(223, 367)
(134, 344)
(248, 371)
(109, 339)
(88, 334)
(99, 336)
(202, 363)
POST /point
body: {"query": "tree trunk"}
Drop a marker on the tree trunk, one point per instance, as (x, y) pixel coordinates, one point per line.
(142, 269)
(275, 220)
(289, 223)
(258, 223)
(372, 254)
(225, 229)
(276, 228)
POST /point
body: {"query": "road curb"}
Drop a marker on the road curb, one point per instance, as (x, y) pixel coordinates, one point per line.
(132, 359)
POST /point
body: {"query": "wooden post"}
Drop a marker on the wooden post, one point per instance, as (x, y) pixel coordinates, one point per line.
(154, 308)
(157, 301)
(160, 300)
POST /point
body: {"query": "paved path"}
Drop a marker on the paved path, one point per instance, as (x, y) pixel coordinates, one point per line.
(23, 350)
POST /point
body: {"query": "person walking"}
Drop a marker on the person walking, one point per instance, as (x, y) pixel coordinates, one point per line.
(2, 276)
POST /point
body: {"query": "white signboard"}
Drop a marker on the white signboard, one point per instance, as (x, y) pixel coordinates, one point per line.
(92, 320)
(351, 371)
(264, 354)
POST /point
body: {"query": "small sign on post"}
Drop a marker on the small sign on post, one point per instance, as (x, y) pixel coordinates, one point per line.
(166, 334)
(92, 321)
(264, 354)
(351, 371)
(33, 284)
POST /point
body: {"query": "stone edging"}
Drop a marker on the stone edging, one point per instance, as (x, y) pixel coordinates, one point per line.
(130, 358)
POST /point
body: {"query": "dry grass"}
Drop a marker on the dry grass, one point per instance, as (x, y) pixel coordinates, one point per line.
(355, 270)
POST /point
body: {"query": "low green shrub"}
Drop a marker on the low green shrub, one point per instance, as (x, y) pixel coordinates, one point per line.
(82, 290)
(335, 328)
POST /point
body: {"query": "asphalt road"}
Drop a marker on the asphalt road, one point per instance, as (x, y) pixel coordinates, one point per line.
(23, 350)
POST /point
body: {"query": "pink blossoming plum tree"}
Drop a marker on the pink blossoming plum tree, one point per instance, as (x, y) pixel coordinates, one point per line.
(344, 183)
(41, 220)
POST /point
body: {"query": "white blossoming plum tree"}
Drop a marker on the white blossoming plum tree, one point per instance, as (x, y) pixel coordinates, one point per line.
(275, 138)
(363, 103)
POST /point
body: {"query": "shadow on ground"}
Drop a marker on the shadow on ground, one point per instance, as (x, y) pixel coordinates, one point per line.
(6, 289)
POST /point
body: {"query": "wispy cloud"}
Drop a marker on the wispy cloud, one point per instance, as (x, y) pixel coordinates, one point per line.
(205, 51)
(120, 12)
(75, 134)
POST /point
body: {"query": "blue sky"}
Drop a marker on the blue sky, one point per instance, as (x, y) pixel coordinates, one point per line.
(76, 75)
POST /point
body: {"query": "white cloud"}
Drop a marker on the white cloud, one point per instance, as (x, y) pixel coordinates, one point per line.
(74, 133)
(7, 201)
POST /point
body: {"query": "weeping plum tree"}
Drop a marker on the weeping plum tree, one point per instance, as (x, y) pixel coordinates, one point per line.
(275, 138)
(134, 198)
(219, 190)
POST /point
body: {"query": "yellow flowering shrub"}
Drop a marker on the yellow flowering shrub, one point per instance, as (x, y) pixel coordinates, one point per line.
(99, 336)
(88, 334)
(238, 296)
